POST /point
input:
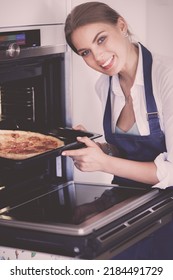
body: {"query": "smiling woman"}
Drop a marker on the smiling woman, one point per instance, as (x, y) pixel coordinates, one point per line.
(135, 89)
(103, 40)
(96, 37)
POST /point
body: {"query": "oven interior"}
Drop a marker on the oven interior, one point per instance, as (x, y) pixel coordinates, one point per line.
(32, 93)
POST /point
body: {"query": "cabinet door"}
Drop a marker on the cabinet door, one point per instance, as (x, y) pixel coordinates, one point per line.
(32, 12)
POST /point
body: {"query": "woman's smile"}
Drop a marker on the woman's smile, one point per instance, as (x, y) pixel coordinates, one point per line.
(108, 63)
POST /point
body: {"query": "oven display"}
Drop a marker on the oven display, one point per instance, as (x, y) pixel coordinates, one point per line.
(20, 39)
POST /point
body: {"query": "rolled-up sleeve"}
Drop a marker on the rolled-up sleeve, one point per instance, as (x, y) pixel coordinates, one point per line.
(164, 171)
(163, 85)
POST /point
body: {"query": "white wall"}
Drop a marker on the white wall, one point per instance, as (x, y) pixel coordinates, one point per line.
(86, 105)
(159, 26)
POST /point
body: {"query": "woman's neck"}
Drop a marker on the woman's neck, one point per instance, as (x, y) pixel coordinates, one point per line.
(128, 73)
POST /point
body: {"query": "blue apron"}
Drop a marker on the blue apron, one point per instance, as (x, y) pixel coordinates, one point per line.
(144, 149)
(136, 147)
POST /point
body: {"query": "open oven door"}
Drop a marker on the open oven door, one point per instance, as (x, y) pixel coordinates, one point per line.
(85, 221)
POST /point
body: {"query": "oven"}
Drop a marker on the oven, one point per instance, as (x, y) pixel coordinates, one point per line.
(41, 207)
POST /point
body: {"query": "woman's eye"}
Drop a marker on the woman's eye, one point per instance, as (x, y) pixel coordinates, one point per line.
(85, 53)
(101, 40)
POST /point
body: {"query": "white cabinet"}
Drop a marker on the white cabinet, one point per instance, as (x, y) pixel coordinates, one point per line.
(32, 12)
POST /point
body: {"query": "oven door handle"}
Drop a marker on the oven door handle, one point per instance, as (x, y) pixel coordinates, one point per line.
(110, 245)
(123, 236)
(143, 223)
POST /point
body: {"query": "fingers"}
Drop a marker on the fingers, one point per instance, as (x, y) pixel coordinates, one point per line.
(88, 158)
(79, 152)
(87, 141)
(79, 127)
(73, 153)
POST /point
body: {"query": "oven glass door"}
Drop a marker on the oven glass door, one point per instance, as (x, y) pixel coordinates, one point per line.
(73, 208)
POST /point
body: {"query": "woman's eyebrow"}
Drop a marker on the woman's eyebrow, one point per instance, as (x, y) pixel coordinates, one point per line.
(95, 38)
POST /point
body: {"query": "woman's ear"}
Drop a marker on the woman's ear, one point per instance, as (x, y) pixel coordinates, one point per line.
(121, 23)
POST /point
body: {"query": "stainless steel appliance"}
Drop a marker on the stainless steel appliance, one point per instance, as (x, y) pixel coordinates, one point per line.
(41, 208)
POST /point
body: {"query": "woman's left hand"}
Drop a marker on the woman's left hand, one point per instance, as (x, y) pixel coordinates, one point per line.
(89, 158)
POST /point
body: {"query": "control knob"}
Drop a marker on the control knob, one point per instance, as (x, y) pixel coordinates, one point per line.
(13, 50)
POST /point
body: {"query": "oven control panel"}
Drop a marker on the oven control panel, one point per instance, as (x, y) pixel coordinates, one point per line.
(25, 43)
(13, 41)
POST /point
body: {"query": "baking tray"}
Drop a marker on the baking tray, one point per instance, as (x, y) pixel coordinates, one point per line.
(67, 135)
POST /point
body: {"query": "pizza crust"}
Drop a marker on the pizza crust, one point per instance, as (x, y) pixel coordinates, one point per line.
(18, 144)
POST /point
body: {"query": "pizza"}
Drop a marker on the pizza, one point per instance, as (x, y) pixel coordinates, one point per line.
(18, 144)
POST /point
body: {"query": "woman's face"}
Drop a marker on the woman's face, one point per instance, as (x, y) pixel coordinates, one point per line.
(103, 46)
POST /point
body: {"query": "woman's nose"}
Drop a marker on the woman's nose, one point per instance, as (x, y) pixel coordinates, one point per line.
(98, 56)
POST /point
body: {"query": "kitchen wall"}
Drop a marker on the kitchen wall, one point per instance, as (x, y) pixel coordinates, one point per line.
(151, 22)
(159, 26)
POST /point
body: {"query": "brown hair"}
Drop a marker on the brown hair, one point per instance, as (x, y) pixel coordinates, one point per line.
(90, 12)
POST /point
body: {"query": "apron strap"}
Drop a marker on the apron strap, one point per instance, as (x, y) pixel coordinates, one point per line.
(152, 112)
(107, 114)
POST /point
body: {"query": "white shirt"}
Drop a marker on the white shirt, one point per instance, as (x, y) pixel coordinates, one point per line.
(162, 79)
